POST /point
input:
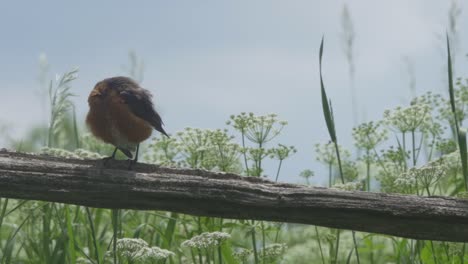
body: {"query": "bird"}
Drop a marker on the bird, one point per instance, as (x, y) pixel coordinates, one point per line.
(122, 113)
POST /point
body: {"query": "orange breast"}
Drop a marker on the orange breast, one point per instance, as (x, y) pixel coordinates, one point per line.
(133, 128)
(112, 121)
(99, 125)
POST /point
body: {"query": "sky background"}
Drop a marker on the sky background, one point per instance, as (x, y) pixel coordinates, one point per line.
(206, 60)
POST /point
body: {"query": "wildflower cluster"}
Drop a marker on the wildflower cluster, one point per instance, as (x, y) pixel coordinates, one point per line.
(282, 152)
(206, 240)
(408, 119)
(387, 174)
(461, 101)
(273, 251)
(57, 152)
(396, 156)
(349, 186)
(242, 254)
(197, 148)
(368, 135)
(164, 151)
(76, 154)
(136, 249)
(306, 174)
(92, 144)
(423, 177)
(350, 170)
(326, 153)
(258, 129)
(86, 154)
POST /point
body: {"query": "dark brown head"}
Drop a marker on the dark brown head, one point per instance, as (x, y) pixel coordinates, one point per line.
(109, 89)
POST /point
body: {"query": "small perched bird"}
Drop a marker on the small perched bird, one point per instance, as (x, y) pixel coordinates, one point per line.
(121, 113)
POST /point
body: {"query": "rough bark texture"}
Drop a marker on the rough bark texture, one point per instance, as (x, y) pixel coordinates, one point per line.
(198, 192)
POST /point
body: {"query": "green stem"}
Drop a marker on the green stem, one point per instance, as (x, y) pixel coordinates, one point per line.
(343, 181)
(207, 254)
(404, 150)
(245, 154)
(339, 162)
(115, 225)
(194, 260)
(278, 171)
(368, 170)
(319, 244)
(46, 232)
(433, 253)
(263, 241)
(2, 215)
(220, 256)
(75, 128)
(462, 256)
(412, 250)
(254, 243)
(200, 259)
(355, 247)
(93, 234)
(335, 260)
(260, 145)
(413, 145)
(278, 232)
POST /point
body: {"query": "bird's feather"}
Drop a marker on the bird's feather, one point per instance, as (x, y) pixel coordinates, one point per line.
(138, 100)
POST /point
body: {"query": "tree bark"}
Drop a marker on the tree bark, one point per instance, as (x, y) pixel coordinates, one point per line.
(204, 193)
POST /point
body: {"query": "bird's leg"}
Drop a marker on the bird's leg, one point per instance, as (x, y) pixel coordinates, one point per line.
(134, 161)
(111, 157)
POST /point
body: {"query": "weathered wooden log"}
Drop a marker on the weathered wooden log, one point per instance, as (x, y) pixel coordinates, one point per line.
(204, 193)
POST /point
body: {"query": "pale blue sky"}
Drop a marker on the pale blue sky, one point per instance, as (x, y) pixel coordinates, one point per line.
(206, 60)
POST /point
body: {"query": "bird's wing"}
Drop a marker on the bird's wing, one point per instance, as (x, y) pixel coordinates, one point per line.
(139, 102)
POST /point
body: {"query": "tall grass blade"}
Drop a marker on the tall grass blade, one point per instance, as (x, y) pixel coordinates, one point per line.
(170, 230)
(115, 225)
(226, 251)
(46, 219)
(325, 105)
(71, 236)
(450, 85)
(76, 134)
(2, 214)
(93, 234)
(9, 245)
(329, 119)
(463, 154)
(461, 135)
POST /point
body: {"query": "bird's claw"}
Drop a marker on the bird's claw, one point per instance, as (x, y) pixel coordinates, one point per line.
(106, 160)
(131, 163)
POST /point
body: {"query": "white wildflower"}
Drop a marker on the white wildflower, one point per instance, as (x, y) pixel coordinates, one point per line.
(128, 247)
(424, 176)
(151, 254)
(56, 152)
(408, 119)
(86, 154)
(82, 260)
(206, 240)
(136, 249)
(273, 251)
(242, 254)
(349, 186)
